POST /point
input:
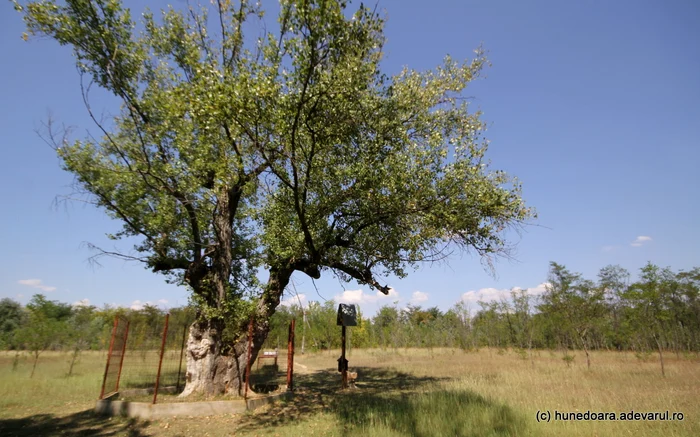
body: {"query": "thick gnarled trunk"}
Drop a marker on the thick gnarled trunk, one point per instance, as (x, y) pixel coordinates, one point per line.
(211, 371)
(214, 368)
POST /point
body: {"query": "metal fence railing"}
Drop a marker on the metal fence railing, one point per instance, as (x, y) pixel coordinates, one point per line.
(115, 357)
(149, 358)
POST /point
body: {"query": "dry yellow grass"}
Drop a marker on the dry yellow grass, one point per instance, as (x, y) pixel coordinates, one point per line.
(417, 392)
(617, 382)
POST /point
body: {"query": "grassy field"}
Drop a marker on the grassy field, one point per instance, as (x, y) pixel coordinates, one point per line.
(399, 392)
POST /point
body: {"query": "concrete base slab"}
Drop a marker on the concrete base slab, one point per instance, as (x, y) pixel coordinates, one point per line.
(255, 403)
(147, 391)
(143, 410)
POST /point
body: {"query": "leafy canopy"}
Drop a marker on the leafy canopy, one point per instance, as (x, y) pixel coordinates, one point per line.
(291, 150)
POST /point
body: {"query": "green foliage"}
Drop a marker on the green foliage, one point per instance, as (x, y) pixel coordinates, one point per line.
(294, 152)
(289, 152)
(568, 358)
(41, 332)
(659, 310)
(84, 328)
(12, 316)
(573, 313)
(643, 355)
(50, 309)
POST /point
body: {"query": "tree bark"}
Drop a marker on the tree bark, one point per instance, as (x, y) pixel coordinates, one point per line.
(529, 350)
(214, 368)
(588, 356)
(584, 344)
(74, 358)
(661, 355)
(36, 359)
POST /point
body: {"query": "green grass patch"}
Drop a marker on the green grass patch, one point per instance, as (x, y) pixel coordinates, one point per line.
(438, 412)
(406, 392)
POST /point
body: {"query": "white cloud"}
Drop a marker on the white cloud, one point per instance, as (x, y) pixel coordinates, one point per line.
(419, 296)
(294, 300)
(359, 296)
(533, 291)
(494, 294)
(392, 293)
(609, 248)
(138, 305)
(485, 294)
(82, 303)
(354, 296)
(36, 283)
(642, 239)
(20, 296)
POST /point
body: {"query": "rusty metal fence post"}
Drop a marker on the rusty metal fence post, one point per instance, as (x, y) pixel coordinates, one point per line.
(109, 356)
(290, 357)
(160, 361)
(113, 371)
(182, 351)
(121, 361)
(250, 353)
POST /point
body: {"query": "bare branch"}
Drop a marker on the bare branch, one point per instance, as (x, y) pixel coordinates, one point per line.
(93, 260)
(362, 276)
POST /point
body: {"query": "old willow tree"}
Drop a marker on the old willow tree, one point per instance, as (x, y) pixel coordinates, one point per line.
(284, 149)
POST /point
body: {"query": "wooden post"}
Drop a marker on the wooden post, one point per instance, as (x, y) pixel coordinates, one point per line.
(250, 353)
(290, 357)
(109, 356)
(182, 350)
(342, 358)
(160, 362)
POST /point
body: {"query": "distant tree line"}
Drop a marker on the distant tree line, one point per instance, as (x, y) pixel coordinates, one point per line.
(47, 325)
(657, 313)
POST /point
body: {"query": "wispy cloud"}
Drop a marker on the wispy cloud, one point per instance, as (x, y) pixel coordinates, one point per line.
(82, 303)
(359, 296)
(294, 300)
(541, 288)
(418, 297)
(138, 305)
(36, 283)
(494, 294)
(609, 248)
(639, 241)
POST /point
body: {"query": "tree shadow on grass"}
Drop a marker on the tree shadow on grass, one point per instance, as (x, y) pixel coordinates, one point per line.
(438, 412)
(84, 423)
(388, 402)
(320, 392)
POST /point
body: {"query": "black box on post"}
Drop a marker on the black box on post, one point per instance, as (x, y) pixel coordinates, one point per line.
(347, 315)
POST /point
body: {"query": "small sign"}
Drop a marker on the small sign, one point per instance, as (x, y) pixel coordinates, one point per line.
(347, 315)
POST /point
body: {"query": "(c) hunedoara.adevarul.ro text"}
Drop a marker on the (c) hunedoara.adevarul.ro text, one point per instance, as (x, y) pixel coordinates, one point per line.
(567, 416)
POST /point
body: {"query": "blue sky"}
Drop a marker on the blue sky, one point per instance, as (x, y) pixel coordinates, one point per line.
(593, 105)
